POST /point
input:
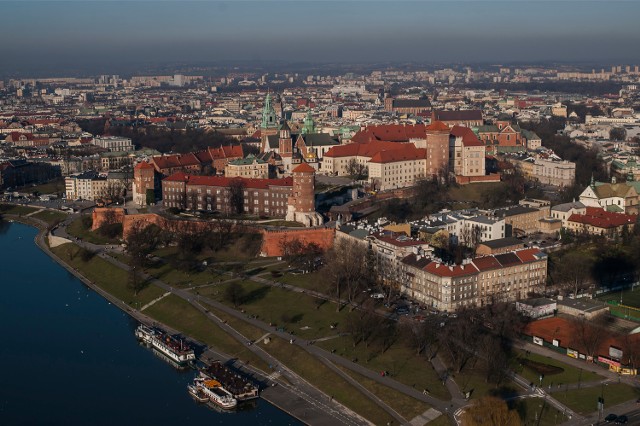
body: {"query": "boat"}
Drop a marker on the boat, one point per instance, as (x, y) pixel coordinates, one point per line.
(197, 394)
(174, 348)
(217, 394)
(240, 386)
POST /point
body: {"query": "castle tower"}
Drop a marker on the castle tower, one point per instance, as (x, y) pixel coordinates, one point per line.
(285, 146)
(143, 183)
(437, 141)
(302, 202)
(303, 194)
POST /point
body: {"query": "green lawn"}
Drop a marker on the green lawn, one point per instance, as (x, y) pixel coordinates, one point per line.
(16, 210)
(76, 229)
(569, 375)
(50, 216)
(442, 420)
(312, 281)
(247, 330)
(536, 411)
(472, 192)
(107, 276)
(473, 378)
(399, 361)
(584, 401)
(629, 298)
(297, 312)
(179, 314)
(314, 371)
(408, 407)
(53, 187)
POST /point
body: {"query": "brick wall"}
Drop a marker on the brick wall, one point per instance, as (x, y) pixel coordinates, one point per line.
(271, 240)
(101, 216)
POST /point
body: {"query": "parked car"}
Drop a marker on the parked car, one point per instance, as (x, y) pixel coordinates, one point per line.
(611, 418)
(377, 296)
(622, 420)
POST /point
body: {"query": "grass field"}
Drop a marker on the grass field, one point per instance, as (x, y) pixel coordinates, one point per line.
(50, 216)
(76, 229)
(399, 361)
(294, 311)
(179, 314)
(629, 297)
(53, 187)
(472, 192)
(305, 365)
(107, 276)
(569, 374)
(16, 210)
(536, 411)
(585, 400)
(405, 405)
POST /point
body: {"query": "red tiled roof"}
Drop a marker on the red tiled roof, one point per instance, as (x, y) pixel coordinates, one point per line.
(527, 255)
(406, 153)
(437, 126)
(361, 149)
(143, 165)
(304, 168)
(603, 219)
(468, 137)
(223, 181)
(487, 262)
(450, 271)
(390, 133)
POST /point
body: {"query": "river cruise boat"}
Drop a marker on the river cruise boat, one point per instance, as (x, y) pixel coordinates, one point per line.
(197, 393)
(177, 350)
(216, 393)
(240, 386)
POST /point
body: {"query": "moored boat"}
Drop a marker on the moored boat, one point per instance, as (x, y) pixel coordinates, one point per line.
(197, 394)
(174, 348)
(216, 393)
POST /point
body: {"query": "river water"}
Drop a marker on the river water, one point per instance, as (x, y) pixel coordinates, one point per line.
(68, 357)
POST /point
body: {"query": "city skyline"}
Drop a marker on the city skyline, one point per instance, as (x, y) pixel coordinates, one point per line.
(123, 35)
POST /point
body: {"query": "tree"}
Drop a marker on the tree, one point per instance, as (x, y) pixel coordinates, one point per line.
(346, 269)
(490, 411)
(590, 332)
(150, 197)
(142, 240)
(572, 271)
(236, 196)
(356, 170)
(301, 255)
(234, 293)
(113, 192)
(193, 200)
(134, 282)
(618, 134)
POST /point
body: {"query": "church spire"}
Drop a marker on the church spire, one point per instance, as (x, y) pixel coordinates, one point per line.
(269, 119)
(309, 125)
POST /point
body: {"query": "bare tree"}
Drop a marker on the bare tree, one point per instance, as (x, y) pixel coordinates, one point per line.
(236, 196)
(347, 270)
(356, 170)
(590, 333)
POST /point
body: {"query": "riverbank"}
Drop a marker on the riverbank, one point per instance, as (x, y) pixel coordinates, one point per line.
(286, 398)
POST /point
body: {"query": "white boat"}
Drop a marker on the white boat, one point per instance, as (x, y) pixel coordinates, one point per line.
(216, 393)
(175, 349)
(197, 394)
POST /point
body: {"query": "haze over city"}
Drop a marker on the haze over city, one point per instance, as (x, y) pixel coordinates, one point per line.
(114, 35)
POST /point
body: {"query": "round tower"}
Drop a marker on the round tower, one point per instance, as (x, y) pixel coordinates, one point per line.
(437, 141)
(303, 194)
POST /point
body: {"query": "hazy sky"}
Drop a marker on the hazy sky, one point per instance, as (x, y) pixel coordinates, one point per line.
(119, 32)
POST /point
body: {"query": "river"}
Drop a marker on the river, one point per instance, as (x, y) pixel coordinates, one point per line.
(68, 357)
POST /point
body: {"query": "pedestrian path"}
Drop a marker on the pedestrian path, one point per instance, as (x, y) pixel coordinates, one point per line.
(426, 417)
(154, 301)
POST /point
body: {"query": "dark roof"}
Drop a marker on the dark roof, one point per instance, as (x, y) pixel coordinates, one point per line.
(473, 114)
(502, 242)
(319, 139)
(515, 210)
(507, 259)
(411, 103)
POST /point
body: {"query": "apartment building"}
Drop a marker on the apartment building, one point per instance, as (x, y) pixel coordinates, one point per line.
(114, 143)
(476, 282)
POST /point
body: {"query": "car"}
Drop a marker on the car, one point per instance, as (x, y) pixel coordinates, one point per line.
(621, 420)
(611, 418)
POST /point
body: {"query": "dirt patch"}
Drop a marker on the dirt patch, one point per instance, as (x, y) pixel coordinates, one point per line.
(540, 368)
